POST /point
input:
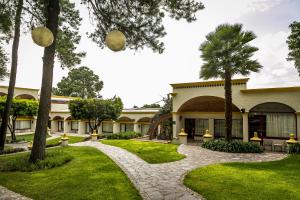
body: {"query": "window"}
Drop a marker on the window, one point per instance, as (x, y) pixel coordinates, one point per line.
(280, 124)
(124, 127)
(145, 128)
(74, 125)
(200, 126)
(237, 128)
(23, 124)
(107, 127)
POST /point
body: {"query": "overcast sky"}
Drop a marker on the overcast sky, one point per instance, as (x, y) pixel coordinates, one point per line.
(144, 77)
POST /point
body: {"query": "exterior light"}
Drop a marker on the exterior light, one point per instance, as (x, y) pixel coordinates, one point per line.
(42, 36)
(115, 40)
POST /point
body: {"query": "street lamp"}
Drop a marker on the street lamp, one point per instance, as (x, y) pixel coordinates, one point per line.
(42, 36)
(115, 40)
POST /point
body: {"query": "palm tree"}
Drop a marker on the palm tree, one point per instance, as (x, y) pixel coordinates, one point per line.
(227, 52)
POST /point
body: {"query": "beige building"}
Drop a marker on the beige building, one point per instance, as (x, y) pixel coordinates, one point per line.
(272, 112)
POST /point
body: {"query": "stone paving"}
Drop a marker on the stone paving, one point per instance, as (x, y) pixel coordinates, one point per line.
(6, 194)
(164, 181)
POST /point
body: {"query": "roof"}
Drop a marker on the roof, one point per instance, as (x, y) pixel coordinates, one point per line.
(209, 83)
(278, 89)
(62, 98)
(33, 89)
(140, 110)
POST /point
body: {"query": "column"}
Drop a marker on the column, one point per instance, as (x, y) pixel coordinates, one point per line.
(54, 126)
(67, 125)
(116, 127)
(100, 129)
(81, 127)
(33, 124)
(245, 127)
(136, 128)
(298, 126)
(211, 126)
(176, 125)
(158, 129)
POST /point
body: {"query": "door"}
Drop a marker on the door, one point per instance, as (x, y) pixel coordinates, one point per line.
(190, 127)
(257, 123)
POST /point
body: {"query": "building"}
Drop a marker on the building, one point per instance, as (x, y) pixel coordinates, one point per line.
(60, 119)
(272, 112)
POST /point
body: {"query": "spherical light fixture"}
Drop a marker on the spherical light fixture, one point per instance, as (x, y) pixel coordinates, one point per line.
(42, 36)
(115, 40)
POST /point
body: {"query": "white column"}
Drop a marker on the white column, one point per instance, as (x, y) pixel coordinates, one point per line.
(298, 126)
(33, 124)
(116, 127)
(158, 129)
(67, 125)
(136, 128)
(245, 127)
(176, 125)
(211, 127)
(81, 127)
(54, 126)
(100, 129)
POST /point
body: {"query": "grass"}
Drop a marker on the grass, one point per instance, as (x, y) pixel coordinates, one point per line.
(54, 158)
(151, 152)
(72, 140)
(27, 137)
(249, 181)
(90, 175)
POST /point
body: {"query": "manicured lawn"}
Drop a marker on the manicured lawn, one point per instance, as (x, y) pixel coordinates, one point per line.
(90, 175)
(249, 181)
(72, 140)
(28, 137)
(151, 152)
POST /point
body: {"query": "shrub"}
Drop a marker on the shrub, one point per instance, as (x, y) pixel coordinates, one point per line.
(233, 146)
(123, 136)
(294, 149)
(54, 158)
(11, 150)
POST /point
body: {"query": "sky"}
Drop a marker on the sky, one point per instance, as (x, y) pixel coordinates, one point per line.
(144, 77)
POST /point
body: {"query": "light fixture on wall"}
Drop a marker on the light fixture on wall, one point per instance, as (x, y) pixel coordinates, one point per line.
(243, 110)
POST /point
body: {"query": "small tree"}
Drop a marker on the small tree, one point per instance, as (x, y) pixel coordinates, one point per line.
(20, 108)
(293, 42)
(96, 110)
(80, 82)
(227, 52)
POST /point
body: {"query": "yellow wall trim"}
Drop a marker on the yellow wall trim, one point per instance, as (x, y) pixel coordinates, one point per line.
(279, 89)
(139, 112)
(208, 83)
(182, 113)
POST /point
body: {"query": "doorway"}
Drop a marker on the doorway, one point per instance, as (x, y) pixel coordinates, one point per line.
(257, 123)
(190, 127)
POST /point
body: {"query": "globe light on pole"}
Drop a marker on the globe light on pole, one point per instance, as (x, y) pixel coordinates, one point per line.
(115, 40)
(42, 36)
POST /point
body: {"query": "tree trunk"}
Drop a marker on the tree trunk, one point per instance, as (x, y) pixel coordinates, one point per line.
(228, 106)
(13, 132)
(39, 142)
(13, 73)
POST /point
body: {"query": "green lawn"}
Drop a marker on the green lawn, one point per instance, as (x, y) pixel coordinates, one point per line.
(72, 140)
(151, 152)
(28, 137)
(90, 175)
(248, 181)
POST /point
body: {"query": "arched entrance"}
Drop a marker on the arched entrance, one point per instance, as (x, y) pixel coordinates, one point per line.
(25, 96)
(272, 120)
(207, 113)
(126, 124)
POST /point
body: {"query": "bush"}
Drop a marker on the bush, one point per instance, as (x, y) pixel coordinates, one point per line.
(123, 136)
(233, 146)
(54, 158)
(11, 150)
(294, 149)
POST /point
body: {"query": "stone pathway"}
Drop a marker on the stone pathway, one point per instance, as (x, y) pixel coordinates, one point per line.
(6, 194)
(164, 181)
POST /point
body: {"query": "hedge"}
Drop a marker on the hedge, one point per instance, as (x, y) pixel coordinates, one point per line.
(123, 136)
